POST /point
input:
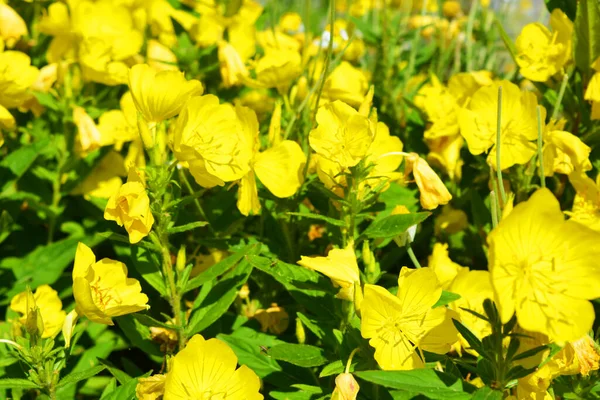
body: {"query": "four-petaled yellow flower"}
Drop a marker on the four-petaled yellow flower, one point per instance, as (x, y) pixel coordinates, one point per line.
(102, 289)
(205, 369)
(130, 207)
(46, 300)
(545, 269)
(399, 327)
(478, 124)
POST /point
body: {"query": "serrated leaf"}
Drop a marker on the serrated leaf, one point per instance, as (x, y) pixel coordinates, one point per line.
(446, 298)
(80, 376)
(433, 384)
(302, 355)
(393, 225)
(15, 383)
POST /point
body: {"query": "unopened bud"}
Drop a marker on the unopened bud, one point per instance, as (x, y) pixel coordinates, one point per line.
(181, 259)
(69, 327)
(346, 387)
(300, 332)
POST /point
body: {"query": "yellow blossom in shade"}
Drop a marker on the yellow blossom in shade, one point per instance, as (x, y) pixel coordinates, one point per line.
(541, 53)
(592, 93)
(120, 125)
(431, 188)
(130, 207)
(17, 75)
(444, 268)
(445, 153)
(274, 319)
(50, 308)
(203, 262)
(340, 266)
(399, 327)
(102, 289)
(160, 57)
(346, 83)
(210, 138)
(206, 369)
(478, 124)
(105, 179)
(544, 269)
(450, 221)
(441, 108)
(12, 26)
(346, 387)
(586, 352)
(231, 65)
(7, 121)
(564, 152)
(342, 134)
(151, 388)
(586, 206)
(473, 287)
(160, 95)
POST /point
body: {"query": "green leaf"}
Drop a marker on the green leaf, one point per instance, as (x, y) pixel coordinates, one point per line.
(302, 355)
(334, 368)
(446, 298)
(433, 384)
(307, 287)
(47, 100)
(510, 46)
(14, 165)
(124, 392)
(138, 335)
(470, 337)
(14, 383)
(586, 34)
(394, 225)
(147, 320)
(487, 393)
(569, 7)
(121, 376)
(219, 299)
(147, 265)
(530, 352)
(219, 268)
(80, 376)
(329, 220)
(187, 227)
(298, 392)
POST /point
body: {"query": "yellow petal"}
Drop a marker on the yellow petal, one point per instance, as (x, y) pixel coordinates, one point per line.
(281, 168)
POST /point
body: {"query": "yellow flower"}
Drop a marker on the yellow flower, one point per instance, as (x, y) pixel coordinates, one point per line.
(540, 53)
(279, 168)
(17, 75)
(586, 206)
(274, 319)
(444, 268)
(105, 178)
(564, 152)
(346, 83)
(7, 121)
(545, 269)
(151, 388)
(432, 189)
(130, 207)
(399, 327)
(203, 262)
(450, 221)
(102, 289)
(206, 369)
(587, 355)
(473, 287)
(592, 93)
(231, 65)
(89, 137)
(12, 26)
(445, 153)
(340, 266)
(120, 125)
(342, 134)
(160, 57)
(209, 137)
(50, 308)
(346, 387)
(69, 326)
(478, 124)
(160, 95)
(276, 69)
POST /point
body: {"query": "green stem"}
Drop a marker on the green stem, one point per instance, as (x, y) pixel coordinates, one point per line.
(494, 207)
(498, 148)
(349, 363)
(561, 93)
(540, 147)
(190, 190)
(469, 34)
(411, 254)
(327, 57)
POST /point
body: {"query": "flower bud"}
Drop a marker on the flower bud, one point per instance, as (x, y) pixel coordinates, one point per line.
(300, 332)
(346, 387)
(181, 259)
(69, 326)
(432, 189)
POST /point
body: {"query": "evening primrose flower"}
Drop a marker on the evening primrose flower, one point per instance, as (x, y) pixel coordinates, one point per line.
(160, 95)
(342, 134)
(431, 188)
(46, 300)
(130, 207)
(444, 268)
(541, 53)
(89, 137)
(105, 179)
(102, 289)
(120, 125)
(210, 139)
(151, 388)
(17, 75)
(478, 124)
(279, 167)
(340, 266)
(206, 369)
(160, 57)
(231, 65)
(564, 152)
(545, 269)
(346, 83)
(12, 26)
(276, 69)
(274, 319)
(586, 206)
(400, 326)
(592, 93)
